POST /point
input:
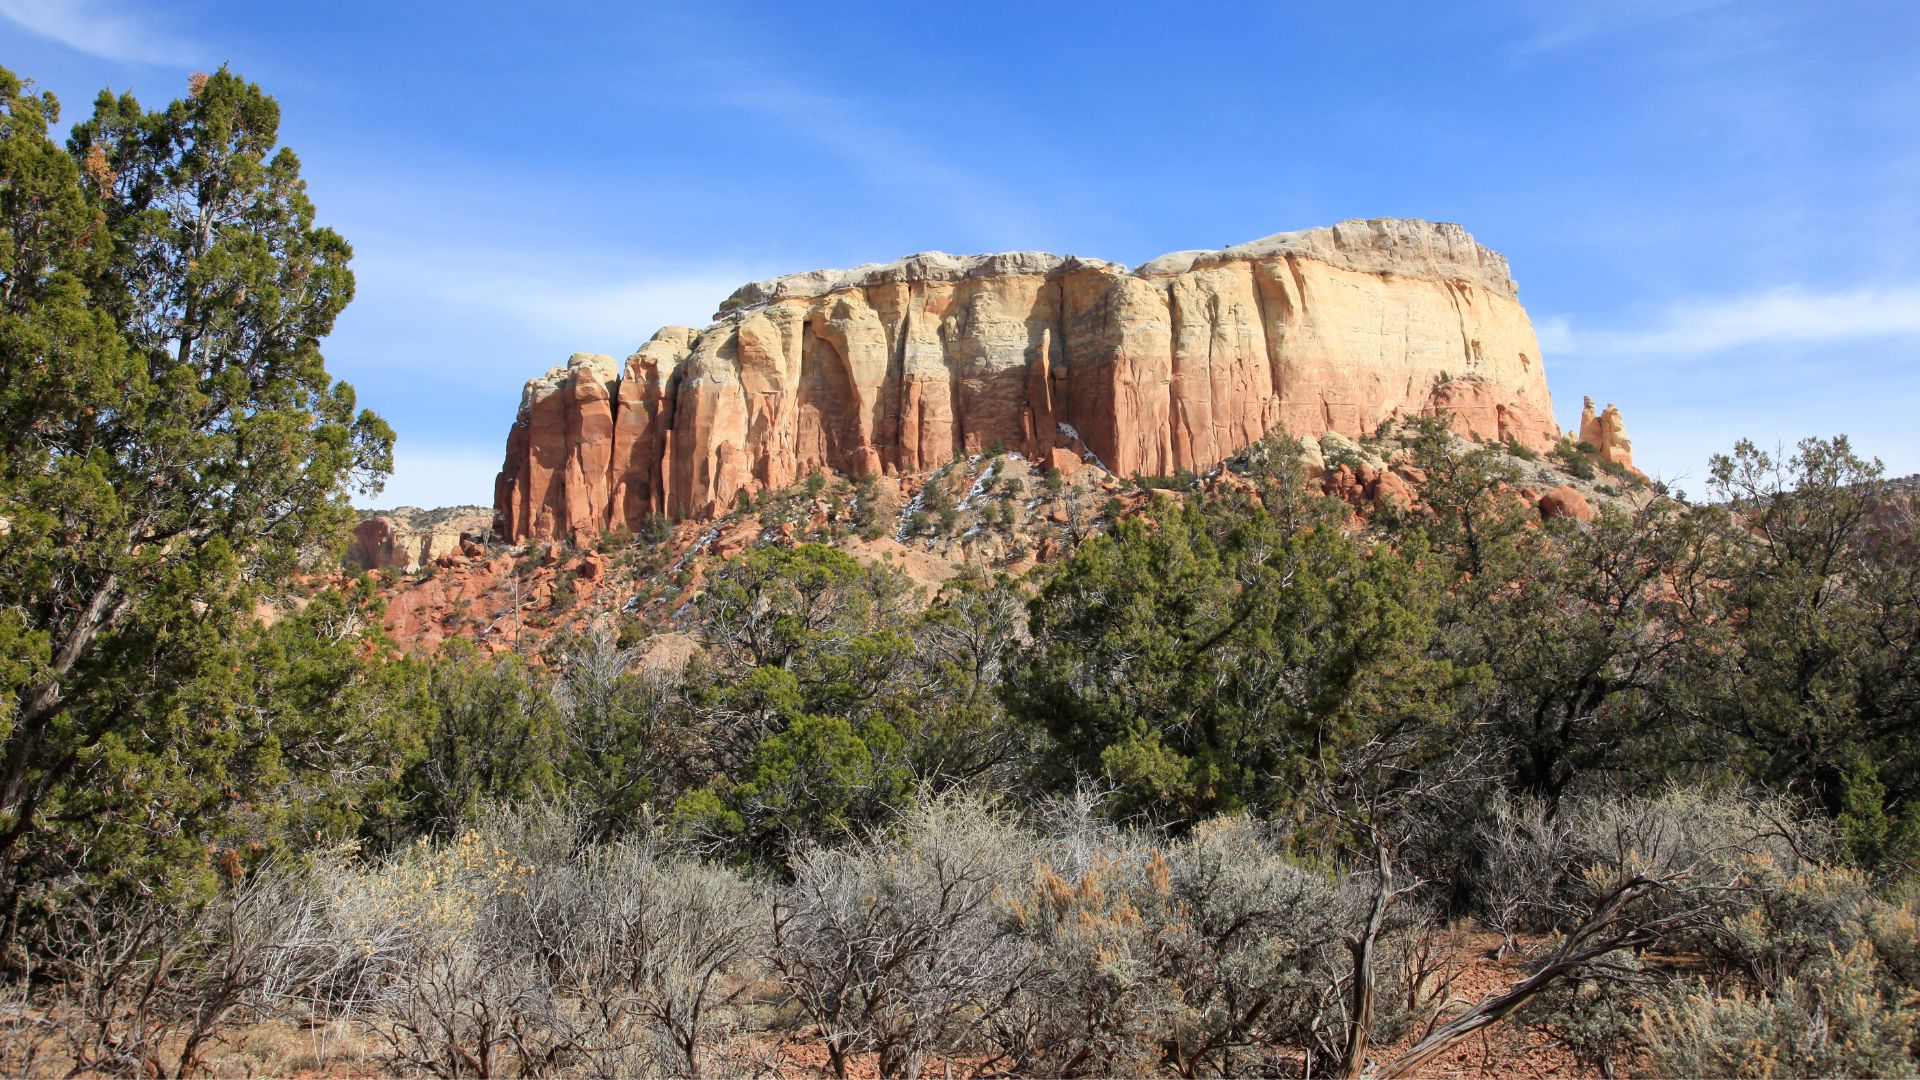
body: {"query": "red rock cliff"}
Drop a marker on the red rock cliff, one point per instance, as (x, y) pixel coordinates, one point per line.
(898, 368)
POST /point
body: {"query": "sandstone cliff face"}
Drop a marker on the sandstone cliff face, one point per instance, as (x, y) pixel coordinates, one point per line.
(1607, 434)
(408, 538)
(898, 368)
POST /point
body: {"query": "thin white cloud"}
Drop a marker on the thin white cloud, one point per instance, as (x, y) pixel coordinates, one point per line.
(890, 156)
(99, 29)
(600, 308)
(1777, 316)
(619, 314)
(439, 474)
(1559, 26)
(896, 143)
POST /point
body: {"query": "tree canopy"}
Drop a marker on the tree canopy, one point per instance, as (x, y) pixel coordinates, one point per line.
(172, 445)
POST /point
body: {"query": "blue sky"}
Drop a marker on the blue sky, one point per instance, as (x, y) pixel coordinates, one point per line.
(1712, 206)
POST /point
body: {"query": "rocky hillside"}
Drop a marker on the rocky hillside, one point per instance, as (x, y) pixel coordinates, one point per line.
(900, 369)
(991, 512)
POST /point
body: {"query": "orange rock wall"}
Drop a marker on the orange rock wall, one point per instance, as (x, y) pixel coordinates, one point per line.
(1607, 434)
(898, 368)
(408, 538)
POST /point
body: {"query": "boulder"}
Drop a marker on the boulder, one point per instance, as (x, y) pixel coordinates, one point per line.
(1367, 488)
(407, 538)
(1565, 501)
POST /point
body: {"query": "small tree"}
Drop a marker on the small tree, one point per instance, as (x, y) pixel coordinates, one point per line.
(623, 744)
(1809, 674)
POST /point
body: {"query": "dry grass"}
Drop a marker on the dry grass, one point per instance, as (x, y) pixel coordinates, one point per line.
(29, 1047)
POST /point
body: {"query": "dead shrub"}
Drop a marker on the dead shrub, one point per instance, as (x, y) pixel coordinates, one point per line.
(899, 944)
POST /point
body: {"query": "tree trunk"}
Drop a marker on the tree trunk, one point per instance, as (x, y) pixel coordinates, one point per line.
(1360, 1025)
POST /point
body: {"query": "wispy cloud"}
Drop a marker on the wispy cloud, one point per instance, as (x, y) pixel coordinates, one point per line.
(99, 29)
(1782, 315)
(901, 145)
(1558, 26)
(598, 304)
(889, 155)
(619, 313)
(427, 473)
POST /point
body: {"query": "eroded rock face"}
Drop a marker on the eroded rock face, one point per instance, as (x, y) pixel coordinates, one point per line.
(1607, 434)
(408, 538)
(898, 368)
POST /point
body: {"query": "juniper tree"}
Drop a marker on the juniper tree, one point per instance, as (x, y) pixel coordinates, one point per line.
(172, 441)
(1810, 672)
(1206, 664)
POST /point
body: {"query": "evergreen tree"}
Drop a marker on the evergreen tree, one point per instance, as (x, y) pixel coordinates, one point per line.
(172, 444)
(1199, 673)
(1810, 672)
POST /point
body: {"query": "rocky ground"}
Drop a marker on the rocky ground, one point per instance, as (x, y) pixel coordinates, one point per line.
(990, 512)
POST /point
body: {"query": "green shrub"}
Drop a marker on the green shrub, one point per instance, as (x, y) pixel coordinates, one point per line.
(820, 780)
(565, 594)
(655, 528)
(1574, 459)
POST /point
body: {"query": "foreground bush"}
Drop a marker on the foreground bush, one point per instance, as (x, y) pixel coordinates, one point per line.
(1836, 1019)
(1217, 954)
(899, 944)
(518, 949)
(963, 933)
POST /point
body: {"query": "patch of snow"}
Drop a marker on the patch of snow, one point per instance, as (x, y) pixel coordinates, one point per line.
(907, 512)
(979, 487)
(705, 539)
